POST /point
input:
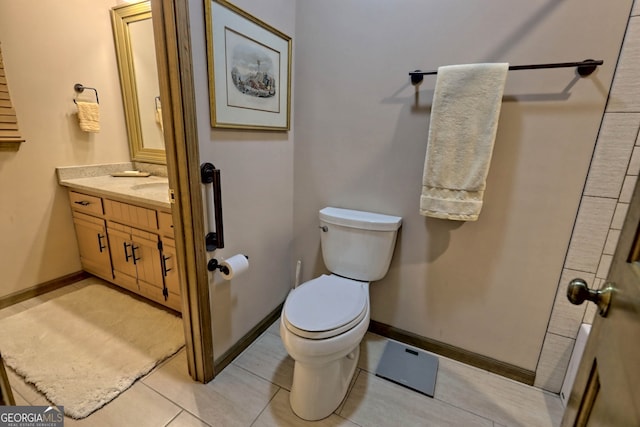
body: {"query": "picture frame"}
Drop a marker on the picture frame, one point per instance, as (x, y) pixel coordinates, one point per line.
(249, 67)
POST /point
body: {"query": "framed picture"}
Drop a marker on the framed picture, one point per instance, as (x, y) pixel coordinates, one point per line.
(249, 70)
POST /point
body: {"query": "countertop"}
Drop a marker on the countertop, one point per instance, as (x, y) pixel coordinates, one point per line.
(152, 191)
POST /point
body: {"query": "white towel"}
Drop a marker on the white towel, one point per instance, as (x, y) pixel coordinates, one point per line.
(89, 116)
(159, 117)
(464, 119)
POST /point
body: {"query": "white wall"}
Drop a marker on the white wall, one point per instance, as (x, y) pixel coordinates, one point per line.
(361, 134)
(48, 46)
(257, 193)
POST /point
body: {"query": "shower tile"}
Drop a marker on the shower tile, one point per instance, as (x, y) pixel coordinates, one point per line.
(636, 9)
(234, 397)
(590, 314)
(627, 188)
(268, 359)
(634, 163)
(279, 413)
(605, 265)
(553, 362)
(566, 317)
(612, 242)
(619, 216)
(590, 233)
(377, 402)
(505, 401)
(625, 91)
(612, 153)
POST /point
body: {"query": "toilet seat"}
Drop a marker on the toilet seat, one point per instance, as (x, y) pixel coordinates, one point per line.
(325, 307)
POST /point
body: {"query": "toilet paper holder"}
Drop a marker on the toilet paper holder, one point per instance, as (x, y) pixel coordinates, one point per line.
(214, 265)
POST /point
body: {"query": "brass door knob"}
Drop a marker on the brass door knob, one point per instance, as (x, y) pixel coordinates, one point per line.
(578, 292)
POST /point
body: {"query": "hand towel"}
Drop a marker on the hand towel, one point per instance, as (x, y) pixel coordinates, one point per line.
(89, 116)
(159, 117)
(464, 119)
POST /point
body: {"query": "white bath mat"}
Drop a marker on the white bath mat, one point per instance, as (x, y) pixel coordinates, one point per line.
(84, 348)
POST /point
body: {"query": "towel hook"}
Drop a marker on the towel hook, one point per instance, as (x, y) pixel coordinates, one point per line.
(79, 88)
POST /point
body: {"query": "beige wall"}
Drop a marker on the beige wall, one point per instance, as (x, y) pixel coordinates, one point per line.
(48, 46)
(361, 133)
(257, 194)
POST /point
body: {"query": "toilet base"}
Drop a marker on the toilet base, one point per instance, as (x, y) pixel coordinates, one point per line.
(317, 391)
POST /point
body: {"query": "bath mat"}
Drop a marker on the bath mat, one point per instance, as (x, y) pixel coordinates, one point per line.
(82, 349)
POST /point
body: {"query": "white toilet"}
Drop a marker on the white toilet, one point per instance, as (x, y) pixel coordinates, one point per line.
(324, 320)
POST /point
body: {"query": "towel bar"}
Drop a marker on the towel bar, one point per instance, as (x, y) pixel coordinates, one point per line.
(585, 68)
(80, 88)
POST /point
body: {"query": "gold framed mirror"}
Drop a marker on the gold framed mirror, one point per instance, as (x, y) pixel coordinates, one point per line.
(135, 51)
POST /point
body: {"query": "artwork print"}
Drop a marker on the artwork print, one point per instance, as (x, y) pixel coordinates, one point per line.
(254, 73)
(249, 64)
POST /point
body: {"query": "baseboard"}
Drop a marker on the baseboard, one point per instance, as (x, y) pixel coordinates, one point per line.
(42, 288)
(221, 362)
(483, 362)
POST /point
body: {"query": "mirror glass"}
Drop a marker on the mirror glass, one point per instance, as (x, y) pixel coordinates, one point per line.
(135, 50)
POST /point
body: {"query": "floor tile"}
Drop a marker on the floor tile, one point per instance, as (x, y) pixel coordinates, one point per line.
(279, 414)
(371, 349)
(18, 399)
(139, 406)
(377, 402)
(27, 391)
(185, 419)
(253, 391)
(507, 402)
(275, 328)
(268, 359)
(235, 397)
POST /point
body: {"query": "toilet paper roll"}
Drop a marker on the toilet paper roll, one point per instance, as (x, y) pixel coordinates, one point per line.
(233, 266)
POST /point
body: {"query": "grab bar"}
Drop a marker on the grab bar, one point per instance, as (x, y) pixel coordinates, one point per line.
(215, 238)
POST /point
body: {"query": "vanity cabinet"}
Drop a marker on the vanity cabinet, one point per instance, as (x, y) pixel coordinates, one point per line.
(129, 245)
(93, 245)
(136, 254)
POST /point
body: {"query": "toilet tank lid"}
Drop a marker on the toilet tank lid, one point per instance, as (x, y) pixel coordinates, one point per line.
(360, 219)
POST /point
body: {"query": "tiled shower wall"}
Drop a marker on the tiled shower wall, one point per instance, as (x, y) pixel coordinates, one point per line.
(612, 176)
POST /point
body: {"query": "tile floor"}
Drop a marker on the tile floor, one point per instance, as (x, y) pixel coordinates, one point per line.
(254, 391)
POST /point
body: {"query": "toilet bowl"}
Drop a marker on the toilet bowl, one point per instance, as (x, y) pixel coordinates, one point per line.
(325, 352)
(324, 320)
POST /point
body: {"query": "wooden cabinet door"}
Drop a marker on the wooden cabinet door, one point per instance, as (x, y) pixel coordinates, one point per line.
(93, 245)
(147, 259)
(122, 253)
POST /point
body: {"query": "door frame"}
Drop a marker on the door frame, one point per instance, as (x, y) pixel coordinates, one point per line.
(175, 73)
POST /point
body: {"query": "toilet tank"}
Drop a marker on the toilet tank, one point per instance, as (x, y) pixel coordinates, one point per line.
(357, 244)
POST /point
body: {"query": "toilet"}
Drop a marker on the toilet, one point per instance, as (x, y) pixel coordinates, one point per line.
(324, 320)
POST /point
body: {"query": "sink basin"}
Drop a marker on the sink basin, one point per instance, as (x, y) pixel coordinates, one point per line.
(151, 186)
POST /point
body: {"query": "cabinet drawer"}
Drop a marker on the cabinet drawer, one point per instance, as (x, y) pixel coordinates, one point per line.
(88, 218)
(165, 223)
(85, 203)
(130, 214)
